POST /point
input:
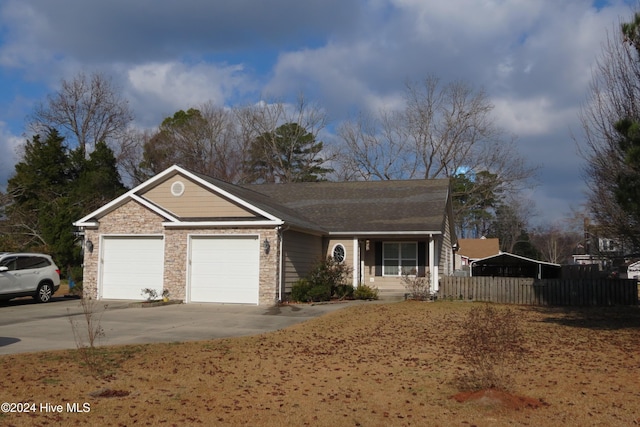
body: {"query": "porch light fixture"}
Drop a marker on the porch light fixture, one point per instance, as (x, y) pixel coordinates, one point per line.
(89, 246)
(267, 246)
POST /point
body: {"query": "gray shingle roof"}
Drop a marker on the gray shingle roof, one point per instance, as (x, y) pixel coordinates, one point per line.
(375, 207)
(265, 203)
(363, 206)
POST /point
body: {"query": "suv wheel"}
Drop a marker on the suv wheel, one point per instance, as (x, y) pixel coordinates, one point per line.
(44, 292)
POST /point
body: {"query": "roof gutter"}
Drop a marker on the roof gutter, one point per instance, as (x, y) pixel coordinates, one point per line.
(191, 224)
(87, 224)
(383, 233)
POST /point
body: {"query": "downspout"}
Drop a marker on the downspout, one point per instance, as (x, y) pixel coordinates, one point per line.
(280, 230)
(433, 272)
(361, 248)
(356, 262)
(431, 264)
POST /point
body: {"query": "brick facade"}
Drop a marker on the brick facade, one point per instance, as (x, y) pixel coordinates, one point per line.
(134, 219)
(176, 248)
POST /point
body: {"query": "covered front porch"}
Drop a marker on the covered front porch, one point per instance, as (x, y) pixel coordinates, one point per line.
(380, 261)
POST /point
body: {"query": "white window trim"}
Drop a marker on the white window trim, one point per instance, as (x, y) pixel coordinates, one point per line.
(384, 274)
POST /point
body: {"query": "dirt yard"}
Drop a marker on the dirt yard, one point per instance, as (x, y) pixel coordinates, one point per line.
(370, 365)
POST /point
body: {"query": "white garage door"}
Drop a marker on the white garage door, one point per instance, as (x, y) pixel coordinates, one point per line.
(224, 269)
(130, 264)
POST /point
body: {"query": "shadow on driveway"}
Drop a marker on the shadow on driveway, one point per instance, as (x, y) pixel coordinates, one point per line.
(8, 341)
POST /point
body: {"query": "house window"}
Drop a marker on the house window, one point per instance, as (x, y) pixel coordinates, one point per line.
(399, 258)
(339, 253)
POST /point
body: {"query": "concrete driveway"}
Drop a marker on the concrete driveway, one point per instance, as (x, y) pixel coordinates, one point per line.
(29, 327)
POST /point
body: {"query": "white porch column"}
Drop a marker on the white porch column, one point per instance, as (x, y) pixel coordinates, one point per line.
(433, 267)
(356, 262)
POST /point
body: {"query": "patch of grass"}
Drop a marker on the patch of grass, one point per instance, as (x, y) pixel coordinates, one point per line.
(127, 352)
(53, 357)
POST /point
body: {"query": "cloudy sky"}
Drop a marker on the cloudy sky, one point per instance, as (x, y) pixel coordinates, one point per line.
(533, 58)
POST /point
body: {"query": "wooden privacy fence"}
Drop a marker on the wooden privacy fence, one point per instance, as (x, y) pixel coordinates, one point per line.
(512, 290)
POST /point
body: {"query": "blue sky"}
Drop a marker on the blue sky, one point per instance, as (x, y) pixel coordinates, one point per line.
(533, 58)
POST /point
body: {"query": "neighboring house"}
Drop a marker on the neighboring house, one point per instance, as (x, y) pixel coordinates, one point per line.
(511, 265)
(474, 249)
(205, 240)
(603, 252)
(598, 249)
(633, 271)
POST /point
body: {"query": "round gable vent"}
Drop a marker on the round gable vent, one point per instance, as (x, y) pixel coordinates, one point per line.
(177, 188)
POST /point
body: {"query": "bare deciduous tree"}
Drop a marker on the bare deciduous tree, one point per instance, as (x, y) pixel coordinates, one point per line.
(203, 139)
(268, 116)
(512, 220)
(214, 141)
(377, 148)
(129, 152)
(443, 130)
(87, 109)
(555, 244)
(614, 94)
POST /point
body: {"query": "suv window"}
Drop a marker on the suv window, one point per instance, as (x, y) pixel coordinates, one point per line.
(29, 262)
(10, 263)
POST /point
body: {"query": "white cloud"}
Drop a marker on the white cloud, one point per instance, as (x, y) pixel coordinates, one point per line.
(534, 116)
(147, 31)
(20, 47)
(468, 20)
(159, 89)
(9, 147)
(533, 58)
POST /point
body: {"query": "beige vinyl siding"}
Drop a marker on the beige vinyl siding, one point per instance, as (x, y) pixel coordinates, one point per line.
(347, 243)
(195, 202)
(446, 255)
(348, 247)
(301, 252)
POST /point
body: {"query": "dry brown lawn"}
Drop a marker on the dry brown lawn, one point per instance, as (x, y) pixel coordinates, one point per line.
(367, 365)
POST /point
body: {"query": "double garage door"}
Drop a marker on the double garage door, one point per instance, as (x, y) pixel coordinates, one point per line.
(220, 269)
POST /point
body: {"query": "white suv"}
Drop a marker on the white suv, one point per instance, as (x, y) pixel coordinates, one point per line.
(26, 274)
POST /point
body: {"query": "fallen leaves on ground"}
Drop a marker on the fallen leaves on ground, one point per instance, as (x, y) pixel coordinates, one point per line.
(364, 365)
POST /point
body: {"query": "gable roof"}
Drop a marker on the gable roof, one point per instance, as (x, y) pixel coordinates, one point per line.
(511, 265)
(364, 207)
(263, 217)
(478, 248)
(506, 258)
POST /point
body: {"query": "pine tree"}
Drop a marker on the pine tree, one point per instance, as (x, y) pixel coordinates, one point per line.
(52, 187)
(288, 154)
